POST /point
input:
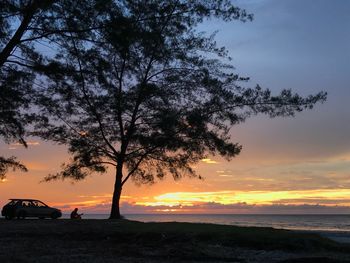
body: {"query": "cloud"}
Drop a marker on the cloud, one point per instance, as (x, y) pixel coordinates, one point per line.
(331, 174)
(339, 196)
(98, 203)
(14, 146)
(225, 175)
(216, 208)
(223, 201)
(37, 166)
(32, 143)
(209, 161)
(97, 196)
(320, 201)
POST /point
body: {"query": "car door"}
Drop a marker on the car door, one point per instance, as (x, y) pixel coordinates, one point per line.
(45, 211)
(38, 209)
(27, 207)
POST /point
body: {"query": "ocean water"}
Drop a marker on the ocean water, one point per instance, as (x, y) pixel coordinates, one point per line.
(339, 223)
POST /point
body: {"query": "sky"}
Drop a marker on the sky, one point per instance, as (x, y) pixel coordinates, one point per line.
(287, 165)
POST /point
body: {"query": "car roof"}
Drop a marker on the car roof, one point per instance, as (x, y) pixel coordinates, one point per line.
(23, 199)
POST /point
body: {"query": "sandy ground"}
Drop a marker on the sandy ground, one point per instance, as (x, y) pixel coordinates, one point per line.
(107, 241)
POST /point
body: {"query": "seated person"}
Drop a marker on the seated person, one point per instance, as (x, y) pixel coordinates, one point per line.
(75, 215)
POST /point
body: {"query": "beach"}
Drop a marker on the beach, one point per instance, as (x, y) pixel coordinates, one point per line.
(64, 240)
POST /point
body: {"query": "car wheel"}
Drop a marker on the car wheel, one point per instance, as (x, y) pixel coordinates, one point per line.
(22, 214)
(55, 215)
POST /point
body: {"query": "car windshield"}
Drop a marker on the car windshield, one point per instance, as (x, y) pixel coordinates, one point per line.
(13, 202)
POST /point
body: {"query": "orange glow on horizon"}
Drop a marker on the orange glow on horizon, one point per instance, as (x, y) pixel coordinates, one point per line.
(187, 202)
(226, 186)
(249, 197)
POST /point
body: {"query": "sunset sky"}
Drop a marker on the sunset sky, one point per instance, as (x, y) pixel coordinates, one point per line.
(290, 165)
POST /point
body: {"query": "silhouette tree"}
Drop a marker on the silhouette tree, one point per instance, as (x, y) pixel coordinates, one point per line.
(151, 96)
(25, 26)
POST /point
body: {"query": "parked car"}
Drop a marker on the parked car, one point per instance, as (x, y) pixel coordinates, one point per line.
(22, 208)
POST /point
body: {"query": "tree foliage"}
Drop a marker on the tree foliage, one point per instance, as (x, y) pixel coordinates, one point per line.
(28, 30)
(15, 80)
(148, 94)
(9, 163)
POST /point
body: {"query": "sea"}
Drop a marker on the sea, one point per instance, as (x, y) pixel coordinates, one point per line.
(322, 222)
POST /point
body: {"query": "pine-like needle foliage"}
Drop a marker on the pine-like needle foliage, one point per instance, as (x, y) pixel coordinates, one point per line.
(148, 94)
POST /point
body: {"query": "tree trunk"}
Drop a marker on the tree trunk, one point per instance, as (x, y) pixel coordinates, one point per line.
(115, 211)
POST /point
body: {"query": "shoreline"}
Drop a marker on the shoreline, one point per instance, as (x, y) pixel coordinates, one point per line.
(338, 236)
(310, 222)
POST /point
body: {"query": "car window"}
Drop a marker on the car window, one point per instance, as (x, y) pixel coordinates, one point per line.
(26, 203)
(41, 204)
(13, 202)
(38, 204)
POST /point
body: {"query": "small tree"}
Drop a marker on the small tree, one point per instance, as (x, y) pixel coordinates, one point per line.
(147, 98)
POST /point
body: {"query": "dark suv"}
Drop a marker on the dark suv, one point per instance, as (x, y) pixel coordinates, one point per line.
(22, 208)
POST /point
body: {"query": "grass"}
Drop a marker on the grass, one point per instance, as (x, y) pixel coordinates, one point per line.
(131, 241)
(250, 237)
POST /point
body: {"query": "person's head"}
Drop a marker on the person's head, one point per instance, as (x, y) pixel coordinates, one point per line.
(75, 209)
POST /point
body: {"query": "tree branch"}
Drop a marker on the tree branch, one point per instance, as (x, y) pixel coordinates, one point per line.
(138, 164)
(92, 108)
(16, 39)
